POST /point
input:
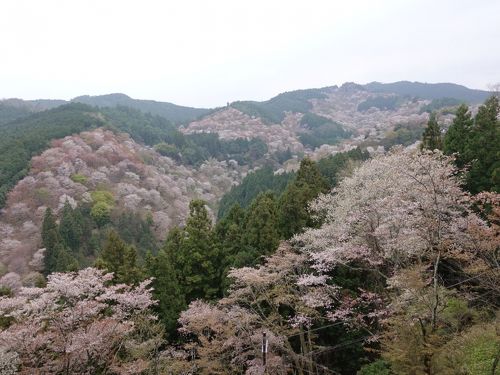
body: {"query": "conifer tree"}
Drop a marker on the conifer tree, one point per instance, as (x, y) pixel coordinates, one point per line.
(120, 259)
(484, 149)
(261, 226)
(308, 184)
(198, 256)
(50, 240)
(457, 137)
(431, 139)
(68, 228)
(166, 287)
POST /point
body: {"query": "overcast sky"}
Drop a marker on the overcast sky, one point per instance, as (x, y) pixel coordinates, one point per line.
(208, 52)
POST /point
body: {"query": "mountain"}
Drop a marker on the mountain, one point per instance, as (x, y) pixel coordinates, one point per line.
(14, 109)
(429, 90)
(172, 112)
(99, 163)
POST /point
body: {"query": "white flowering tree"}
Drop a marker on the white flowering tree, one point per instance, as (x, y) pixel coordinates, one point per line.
(80, 324)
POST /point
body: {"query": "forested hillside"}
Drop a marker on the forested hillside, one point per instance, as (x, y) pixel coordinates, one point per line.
(172, 112)
(357, 230)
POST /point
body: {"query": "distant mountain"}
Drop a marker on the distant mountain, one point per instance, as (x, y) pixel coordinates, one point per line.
(273, 110)
(175, 113)
(429, 90)
(15, 109)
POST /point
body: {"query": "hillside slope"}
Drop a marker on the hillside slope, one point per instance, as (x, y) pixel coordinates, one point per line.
(172, 112)
(139, 180)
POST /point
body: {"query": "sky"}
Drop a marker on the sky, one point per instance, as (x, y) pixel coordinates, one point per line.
(205, 53)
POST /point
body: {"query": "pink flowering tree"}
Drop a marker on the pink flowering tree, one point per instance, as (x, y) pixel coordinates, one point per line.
(402, 216)
(280, 298)
(80, 324)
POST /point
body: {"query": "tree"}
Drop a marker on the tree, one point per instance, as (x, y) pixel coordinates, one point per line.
(101, 213)
(457, 138)
(476, 142)
(198, 257)
(261, 227)
(431, 139)
(57, 258)
(120, 259)
(293, 214)
(80, 324)
(484, 149)
(68, 228)
(166, 288)
(403, 215)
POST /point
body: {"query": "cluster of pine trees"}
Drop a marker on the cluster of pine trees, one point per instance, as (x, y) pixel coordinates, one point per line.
(475, 142)
(74, 239)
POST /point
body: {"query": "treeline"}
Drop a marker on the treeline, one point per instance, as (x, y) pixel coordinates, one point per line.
(265, 180)
(273, 110)
(320, 130)
(384, 103)
(475, 141)
(74, 239)
(24, 138)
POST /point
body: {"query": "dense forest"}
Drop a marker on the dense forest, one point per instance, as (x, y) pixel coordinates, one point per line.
(354, 264)
(29, 136)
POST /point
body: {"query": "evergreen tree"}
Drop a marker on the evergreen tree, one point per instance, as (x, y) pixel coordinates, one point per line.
(308, 184)
(198, 256)
(484, 149)
(261, 227)
(50, 241)
(431, 139)
(64, 261)
(120, 259)
(68, 228)
(457, 138)
(229, 236)
(57, 257)
(166, 288)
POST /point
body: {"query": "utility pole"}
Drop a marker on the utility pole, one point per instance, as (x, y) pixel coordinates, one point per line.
(264, 350)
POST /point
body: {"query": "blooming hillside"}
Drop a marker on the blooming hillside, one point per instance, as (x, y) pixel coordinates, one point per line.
(78, 168)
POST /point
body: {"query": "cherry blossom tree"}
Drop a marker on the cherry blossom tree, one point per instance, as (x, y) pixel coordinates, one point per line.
(403, 215)
(80, 324)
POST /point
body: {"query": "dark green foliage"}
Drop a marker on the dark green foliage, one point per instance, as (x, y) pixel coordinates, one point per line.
(121, 259)
(431, 138)
(332, 167)
(136, 231)
(57, 256)
(252, 185)
(320, 130)
(171, 112)
(429, 90)
(9, 113)
(143, 127)
(261, 236)
(69, 228)
(197, 257)
(477, 142)
(438, 104)
(484, 149)
(384, 103)
(229, 235)
(379, 367)
(457, 137)
(50, 239)
(166, 287)
(273, 110)
(308, 184)
(24, 138)
(402, 134)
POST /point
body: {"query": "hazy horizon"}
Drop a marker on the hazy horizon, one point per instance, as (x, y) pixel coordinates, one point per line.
(201, 54)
